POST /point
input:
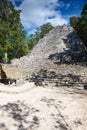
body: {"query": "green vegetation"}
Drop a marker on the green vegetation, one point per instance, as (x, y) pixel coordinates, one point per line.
(40, 33)
(80, 24)
(14, 42)
(12, 34)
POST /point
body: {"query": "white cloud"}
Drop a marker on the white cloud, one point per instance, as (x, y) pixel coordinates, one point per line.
(58, 20)
(37, 12)
(67, 5)
(64, 5)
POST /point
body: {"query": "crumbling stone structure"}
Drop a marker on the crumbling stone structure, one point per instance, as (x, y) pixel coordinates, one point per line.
(9, 73)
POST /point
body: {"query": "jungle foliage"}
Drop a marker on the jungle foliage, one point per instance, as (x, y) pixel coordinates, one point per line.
(80, 24)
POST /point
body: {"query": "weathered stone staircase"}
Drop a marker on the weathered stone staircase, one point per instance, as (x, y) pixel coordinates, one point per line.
(65, 78)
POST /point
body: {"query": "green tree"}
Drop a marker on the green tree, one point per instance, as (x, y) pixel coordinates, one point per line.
(74, 22)
(44, 29)
(40, 33)
(80, 24)
(13, 36)
(84, 11)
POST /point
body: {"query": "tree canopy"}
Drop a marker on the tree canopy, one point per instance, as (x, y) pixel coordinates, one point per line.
(12, 34)
(80, 24)
(14, 42)
(39, 33)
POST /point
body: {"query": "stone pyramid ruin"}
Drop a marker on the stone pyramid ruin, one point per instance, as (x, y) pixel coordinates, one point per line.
(59, 58)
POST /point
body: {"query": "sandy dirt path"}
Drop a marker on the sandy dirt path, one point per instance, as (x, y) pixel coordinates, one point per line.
(44, 109)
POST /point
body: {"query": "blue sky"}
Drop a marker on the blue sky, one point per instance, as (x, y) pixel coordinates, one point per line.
(38, 12)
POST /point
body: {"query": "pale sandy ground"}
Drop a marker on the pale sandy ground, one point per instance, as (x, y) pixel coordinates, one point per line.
(36, 108)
